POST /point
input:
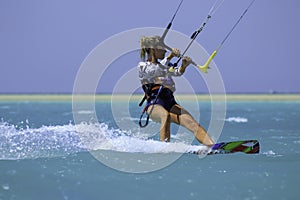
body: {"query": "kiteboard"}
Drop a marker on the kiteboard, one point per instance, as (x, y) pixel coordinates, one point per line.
(245, 146)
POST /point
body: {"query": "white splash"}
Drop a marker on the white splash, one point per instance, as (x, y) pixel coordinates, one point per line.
(237, 119)
(62, 140)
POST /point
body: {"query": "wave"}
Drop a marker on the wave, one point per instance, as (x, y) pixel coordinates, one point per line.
(237, 119)
(62, 140)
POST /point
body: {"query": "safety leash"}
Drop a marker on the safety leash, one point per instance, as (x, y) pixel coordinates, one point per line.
(146, 108)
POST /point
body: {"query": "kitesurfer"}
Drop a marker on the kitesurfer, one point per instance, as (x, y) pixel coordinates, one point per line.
(159, 86)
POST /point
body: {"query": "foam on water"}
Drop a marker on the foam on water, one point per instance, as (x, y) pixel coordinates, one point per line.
(62, 140)
(237, 119)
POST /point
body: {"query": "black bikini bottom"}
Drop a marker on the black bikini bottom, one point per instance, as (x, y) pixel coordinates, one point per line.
(165, 99)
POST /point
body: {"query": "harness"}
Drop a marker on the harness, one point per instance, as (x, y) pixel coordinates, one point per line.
(149, 93)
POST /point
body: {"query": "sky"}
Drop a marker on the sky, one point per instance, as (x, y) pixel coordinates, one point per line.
(44, 42)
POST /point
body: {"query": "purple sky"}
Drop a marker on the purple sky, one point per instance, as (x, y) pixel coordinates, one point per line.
(43, 43)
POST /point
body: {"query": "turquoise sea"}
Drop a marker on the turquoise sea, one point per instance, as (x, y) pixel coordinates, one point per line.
(44, 155)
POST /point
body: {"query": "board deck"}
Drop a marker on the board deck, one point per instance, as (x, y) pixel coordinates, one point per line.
(246, 146)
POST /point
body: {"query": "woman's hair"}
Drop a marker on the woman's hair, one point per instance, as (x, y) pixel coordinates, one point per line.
(147, 43)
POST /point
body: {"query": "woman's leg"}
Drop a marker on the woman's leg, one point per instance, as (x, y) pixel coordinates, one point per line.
(180, 116)
(161, 115)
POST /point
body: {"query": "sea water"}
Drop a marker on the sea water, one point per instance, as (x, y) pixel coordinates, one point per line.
(43, 156)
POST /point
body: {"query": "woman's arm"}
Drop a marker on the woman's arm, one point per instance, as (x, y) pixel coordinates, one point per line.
(174, 53)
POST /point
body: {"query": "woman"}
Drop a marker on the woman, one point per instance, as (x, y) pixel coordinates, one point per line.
(158, 85)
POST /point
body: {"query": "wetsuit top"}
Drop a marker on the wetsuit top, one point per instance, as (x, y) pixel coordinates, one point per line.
(158, 74)
(150, 73)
